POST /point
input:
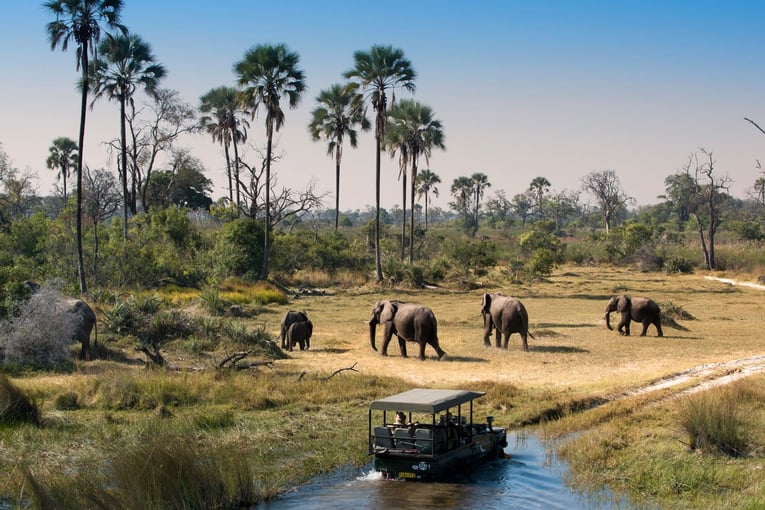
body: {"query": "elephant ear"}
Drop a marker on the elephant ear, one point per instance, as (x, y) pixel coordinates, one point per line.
(485, 303)
(625, 303)
(389, 311)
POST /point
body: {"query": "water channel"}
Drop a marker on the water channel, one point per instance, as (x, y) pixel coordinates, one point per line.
(531, 478)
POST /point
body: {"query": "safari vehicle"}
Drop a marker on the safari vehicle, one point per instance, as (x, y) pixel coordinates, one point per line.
(439, 438)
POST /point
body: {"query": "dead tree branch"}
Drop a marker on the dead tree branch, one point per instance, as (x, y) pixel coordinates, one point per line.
(333, 374)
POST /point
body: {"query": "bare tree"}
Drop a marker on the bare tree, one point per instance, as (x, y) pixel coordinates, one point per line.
(153, 130)
(605, 187)
(711, 192)
(100, 201)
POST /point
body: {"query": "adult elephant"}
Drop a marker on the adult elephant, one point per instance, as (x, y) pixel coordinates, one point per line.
(506, 315)
(638, 309)
(409, 322)
(86, 320)
(300, 333)
(290, 318)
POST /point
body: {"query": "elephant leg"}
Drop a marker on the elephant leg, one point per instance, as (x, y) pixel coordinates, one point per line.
(402, 346)
(498, 338)
(657, 323)
(487, 330)
(624, 325)
(507, 340)
(437, 347)
(525, 341)
(646, 323)
(422, 349)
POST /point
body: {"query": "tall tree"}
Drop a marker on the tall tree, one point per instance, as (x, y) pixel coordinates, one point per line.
(376, 72)
(100, 202)
(413, 131)
(338, 114)
(605, 187)
(266, 74)
(538, 187)
(522, 205)
(426, 184)
(62, 157)
(463, 193)
(124, 64)
(707, 206)
(80, 21)
(223, 118)
(480, 183)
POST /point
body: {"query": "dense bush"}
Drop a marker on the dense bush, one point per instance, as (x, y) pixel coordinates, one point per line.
(41, 333)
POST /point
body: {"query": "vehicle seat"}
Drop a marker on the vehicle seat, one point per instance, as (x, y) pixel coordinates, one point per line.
(404, 439)
(424, 440)
(383, 437)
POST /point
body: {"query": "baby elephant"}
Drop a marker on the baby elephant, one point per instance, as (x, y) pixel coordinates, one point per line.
(300, 333)
(638, 309)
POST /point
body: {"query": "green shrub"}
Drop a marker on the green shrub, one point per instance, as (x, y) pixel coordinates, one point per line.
(678, 264)
(713, 425)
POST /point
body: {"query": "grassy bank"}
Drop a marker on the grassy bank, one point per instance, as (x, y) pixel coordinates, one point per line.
(114, 434)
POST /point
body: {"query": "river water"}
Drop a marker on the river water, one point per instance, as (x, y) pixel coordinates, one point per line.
(531, 478)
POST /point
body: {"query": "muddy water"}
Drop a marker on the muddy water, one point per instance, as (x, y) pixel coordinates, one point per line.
(532, 478)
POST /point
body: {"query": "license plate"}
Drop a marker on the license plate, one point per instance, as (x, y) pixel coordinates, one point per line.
(405, 474)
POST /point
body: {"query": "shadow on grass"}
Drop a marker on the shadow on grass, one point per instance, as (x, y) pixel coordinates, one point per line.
(469, 359)
(330, 350)
(546, 325)
(557, 348)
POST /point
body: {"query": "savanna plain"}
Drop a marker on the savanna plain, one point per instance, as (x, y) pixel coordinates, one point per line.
(114, 434)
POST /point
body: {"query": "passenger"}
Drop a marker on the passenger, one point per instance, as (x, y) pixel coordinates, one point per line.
(400, 419)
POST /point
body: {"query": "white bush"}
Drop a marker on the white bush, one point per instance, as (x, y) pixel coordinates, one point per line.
(42, 332)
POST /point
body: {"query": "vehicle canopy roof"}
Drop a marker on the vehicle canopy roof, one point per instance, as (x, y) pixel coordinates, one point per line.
(423, 400)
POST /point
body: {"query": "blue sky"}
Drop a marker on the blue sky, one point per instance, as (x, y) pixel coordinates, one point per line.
(523, 88)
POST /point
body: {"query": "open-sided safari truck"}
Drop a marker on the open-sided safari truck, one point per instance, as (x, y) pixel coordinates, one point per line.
(429, 434)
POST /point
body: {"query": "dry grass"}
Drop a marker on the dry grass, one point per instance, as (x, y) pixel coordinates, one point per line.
(573, 350)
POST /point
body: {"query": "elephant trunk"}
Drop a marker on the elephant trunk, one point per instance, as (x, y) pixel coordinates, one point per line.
(372, 330)
(608, 320)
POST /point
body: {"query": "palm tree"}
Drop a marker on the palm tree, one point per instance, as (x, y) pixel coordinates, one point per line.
(80, 21)
(124, 63)
(538, 187)
(227, 126)
(63, 157)
(480, 183)
(381, 69)
(267, 73)
(425, 185)
(338, 113)
(413, 131)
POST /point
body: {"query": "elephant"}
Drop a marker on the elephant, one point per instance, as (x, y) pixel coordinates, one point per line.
(288, 319)
(408, 321)
(507, 315)
(84, 317)
(300, 333)
(87, 321)
(638, 309)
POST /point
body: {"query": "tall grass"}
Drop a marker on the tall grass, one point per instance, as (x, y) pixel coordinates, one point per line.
(15, 405)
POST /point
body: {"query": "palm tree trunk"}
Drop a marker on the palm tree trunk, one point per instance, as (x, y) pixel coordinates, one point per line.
(337, 187)
(236, 173)
(83, 110)
(228, 173)
(264, 271)
(411, 212)
(378, 260)
(426, 210)
(123, 139)
(403, 215)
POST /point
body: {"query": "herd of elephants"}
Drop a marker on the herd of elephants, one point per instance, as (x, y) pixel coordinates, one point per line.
(503, 315)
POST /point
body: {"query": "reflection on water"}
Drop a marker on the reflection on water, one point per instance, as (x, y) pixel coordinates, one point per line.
(532, 477)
